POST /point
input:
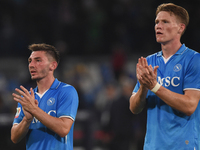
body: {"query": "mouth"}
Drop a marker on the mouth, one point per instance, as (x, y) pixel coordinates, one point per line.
(32, 72)
(159, 33)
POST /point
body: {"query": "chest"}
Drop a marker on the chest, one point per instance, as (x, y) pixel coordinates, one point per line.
(48, 103)
(170, 73)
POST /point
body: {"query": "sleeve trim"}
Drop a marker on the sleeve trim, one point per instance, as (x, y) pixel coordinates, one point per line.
(67, 117)
(191, 89)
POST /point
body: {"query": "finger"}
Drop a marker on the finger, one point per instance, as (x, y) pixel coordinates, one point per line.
(17, 96)
(24, 89)
(20, 92)
(32, 92)
(18, 100)
(155, 69)
(145, 62)
(149, 69)
(138, 72)
(139, 69)
(36, 102)
(142, 69)
(142, 61)
(139, 61)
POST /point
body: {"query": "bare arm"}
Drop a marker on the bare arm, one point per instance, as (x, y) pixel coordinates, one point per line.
(18, 131)
(61, 126)
(186, 103)
(138, 100)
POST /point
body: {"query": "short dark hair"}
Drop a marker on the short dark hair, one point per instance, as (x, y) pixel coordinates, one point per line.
(180, 12)
(51, 50)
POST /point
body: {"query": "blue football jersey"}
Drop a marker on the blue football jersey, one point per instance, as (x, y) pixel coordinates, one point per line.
(167, 128)
(61, 100)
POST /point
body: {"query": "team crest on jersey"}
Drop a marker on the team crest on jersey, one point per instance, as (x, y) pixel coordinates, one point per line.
(51, 101)
(177, 67)
(18, 112)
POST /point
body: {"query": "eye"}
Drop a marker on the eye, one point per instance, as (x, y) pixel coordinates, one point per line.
(29, 61)
(38, 60)
(165, 21)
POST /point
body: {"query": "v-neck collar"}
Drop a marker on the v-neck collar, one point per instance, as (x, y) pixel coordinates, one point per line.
(55, 85)
(181, 50)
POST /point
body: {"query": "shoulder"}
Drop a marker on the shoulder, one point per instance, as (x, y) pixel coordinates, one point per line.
(154, 55)
(191, 52)
(67, 88)
(192, 55)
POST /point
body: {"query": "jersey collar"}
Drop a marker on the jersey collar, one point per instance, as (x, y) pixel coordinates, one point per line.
(55, 85)
(179, 52)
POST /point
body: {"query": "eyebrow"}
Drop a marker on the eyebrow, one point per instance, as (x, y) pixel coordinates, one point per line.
(34, 58)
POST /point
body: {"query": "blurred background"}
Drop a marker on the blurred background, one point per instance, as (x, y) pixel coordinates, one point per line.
(100, 42)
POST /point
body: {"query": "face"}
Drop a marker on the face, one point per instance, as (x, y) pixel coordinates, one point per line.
(167, 27)
(39, 65)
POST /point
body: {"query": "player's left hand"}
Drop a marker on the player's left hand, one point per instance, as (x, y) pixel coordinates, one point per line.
(26, 99)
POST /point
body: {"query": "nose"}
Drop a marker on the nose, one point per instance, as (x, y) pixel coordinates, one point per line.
(31, 64)
(158, 26)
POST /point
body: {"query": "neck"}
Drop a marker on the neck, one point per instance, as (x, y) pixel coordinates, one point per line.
(44, 84)
(170, 49)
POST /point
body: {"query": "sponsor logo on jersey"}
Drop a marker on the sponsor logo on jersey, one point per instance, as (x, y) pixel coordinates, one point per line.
(35, 120)
(167, 81)
(18, 112)
(50, 101)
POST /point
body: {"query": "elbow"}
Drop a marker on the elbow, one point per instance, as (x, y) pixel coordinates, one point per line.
(190, 111)
(131, 110)
(14, 140)
(13, 137)
(134, 109)
(135, 112)
(64, 132)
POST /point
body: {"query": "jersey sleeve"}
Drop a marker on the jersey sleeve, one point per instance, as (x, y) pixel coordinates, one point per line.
(68, 103)
(19, 114)
(191, 79)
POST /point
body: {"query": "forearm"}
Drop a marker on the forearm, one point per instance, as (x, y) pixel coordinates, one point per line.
(19, 131)
(138, 100)
(57, 125)
(186, 103)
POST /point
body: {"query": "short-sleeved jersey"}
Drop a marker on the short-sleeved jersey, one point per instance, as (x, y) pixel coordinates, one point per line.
(167, 128)
(61, 100)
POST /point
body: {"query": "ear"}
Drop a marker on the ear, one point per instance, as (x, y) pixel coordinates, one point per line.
(181, 28)
(53, 65)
